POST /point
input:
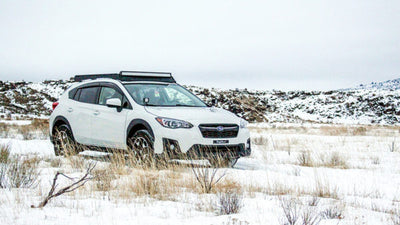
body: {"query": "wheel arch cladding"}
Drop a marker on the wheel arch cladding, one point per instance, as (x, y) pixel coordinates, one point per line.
(60, 120)
(138, 124)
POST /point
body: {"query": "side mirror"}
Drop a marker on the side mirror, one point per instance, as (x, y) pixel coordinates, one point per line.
(114, 102)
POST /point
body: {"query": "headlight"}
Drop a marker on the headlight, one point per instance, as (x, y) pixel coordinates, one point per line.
(243, 123)
(173, 123)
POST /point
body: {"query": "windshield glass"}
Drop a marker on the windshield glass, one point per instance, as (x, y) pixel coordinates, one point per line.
(163, 95)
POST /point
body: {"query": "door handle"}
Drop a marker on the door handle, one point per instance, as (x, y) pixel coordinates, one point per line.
(96, 112)
(70, 110)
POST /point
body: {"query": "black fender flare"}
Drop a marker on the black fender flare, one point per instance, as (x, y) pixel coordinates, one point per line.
(136, 122)
(57, 120)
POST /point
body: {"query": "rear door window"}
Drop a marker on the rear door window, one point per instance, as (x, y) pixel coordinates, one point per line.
(88, 95)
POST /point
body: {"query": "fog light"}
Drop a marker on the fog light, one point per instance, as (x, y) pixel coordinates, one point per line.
(171, 147)
(248, 144)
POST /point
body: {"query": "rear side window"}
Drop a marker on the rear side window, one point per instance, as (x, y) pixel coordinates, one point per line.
(88, 95)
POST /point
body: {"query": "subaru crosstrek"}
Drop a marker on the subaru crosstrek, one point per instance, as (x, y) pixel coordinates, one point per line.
(147, 113)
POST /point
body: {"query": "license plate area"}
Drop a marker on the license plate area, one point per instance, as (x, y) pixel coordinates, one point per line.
(218, 142)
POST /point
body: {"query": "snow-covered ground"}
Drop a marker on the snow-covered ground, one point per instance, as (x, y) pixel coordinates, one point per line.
(352, 170)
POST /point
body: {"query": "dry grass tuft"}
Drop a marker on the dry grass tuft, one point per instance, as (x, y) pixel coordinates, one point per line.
(103, 179)
(305, 159)
(334, 160)
(76, 162)
(228, 185)
(323, 189)
(4, 153)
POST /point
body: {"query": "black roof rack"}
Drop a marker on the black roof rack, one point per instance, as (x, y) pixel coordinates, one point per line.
(130, 76)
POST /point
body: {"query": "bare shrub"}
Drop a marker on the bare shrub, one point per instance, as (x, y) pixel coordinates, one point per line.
(290, 209)
(4, 153)
(333, 212)
(309, 216)
(21, 173)
(230, 202)
(207, 177)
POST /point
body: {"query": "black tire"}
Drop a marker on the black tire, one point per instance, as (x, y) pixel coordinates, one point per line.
(223, 162)
(141, 144)
(64, 141)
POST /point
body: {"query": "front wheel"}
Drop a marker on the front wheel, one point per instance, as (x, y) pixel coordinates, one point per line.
(141, 145)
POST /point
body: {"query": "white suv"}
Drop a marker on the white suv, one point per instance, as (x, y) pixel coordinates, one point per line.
(147, 113)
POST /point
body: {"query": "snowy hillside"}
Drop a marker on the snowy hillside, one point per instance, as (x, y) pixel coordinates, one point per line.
(365, 105)
(385, 85)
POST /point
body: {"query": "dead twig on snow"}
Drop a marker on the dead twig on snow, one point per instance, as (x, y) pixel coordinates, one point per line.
(70, 188)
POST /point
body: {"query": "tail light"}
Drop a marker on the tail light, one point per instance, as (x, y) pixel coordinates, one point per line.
(55, 104)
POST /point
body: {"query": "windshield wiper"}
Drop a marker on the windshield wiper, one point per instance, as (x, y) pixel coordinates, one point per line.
(147, 104)
(186, 105)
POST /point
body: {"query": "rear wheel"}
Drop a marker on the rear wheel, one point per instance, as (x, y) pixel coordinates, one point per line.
(64, 143)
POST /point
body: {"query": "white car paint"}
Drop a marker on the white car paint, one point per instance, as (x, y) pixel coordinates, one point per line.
(102, 126)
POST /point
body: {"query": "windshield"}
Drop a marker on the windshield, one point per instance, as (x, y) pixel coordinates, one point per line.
(163, 95)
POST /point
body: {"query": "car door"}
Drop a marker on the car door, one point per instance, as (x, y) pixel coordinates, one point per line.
(108, 123)
(82, 112)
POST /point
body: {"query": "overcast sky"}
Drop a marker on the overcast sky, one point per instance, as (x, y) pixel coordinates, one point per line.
(280, 44)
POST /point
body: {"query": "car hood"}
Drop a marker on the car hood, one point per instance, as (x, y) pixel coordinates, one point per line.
(195, 115)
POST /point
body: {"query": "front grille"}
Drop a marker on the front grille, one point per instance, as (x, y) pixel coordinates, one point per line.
(219, 130)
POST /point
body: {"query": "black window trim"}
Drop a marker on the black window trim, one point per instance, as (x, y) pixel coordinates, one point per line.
(91, 86)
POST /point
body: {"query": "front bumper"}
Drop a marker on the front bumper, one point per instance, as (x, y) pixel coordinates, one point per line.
(198, 151)
(191, 143)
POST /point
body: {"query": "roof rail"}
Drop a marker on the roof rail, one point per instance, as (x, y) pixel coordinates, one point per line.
(130, 76)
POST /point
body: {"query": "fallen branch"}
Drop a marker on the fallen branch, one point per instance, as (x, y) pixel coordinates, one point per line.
(70, 188)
